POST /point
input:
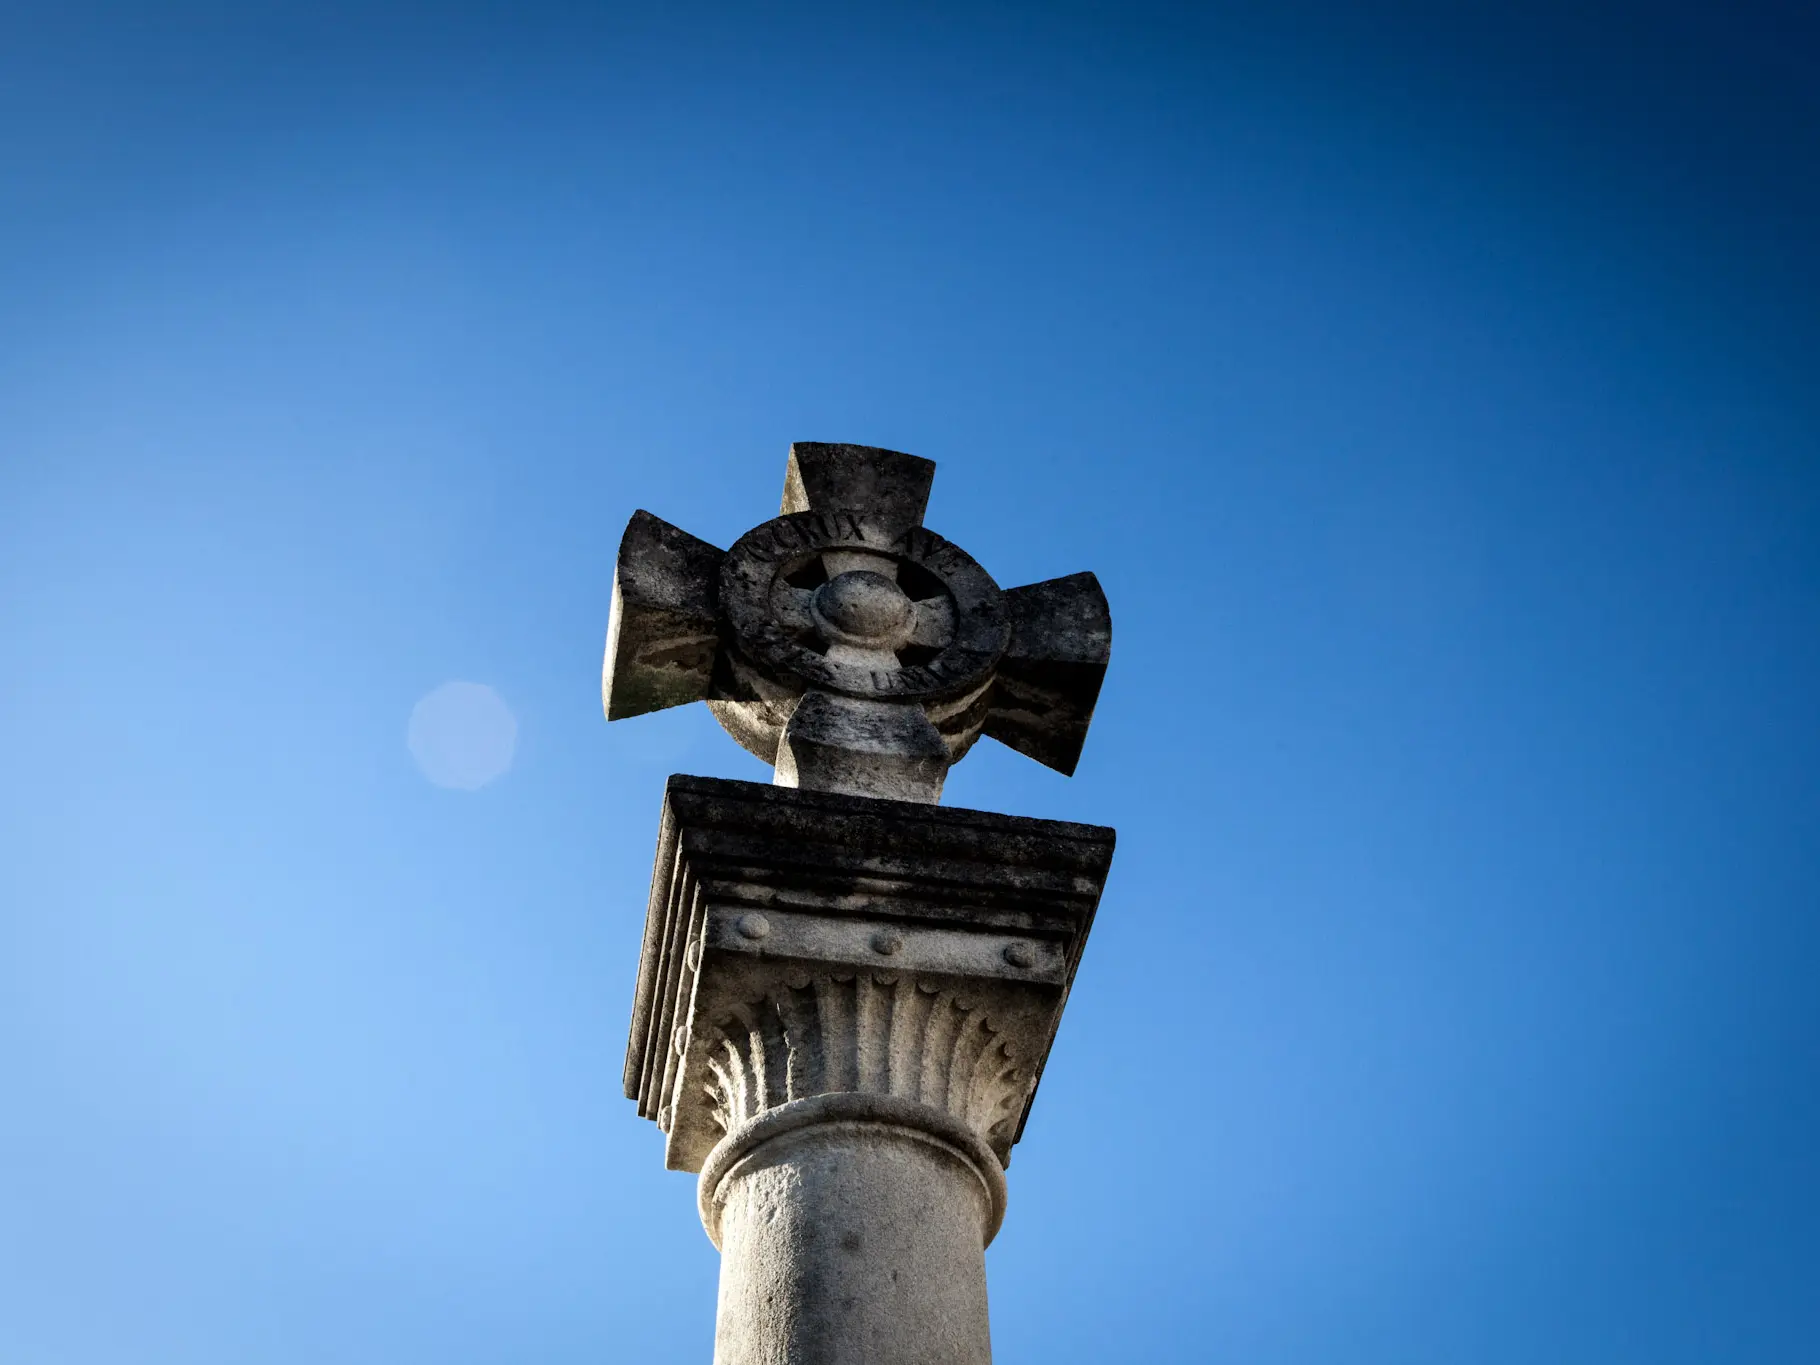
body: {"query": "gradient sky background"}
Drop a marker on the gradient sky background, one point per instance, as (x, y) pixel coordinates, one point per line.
(1435, 394)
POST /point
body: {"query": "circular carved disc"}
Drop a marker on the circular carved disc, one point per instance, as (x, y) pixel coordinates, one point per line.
(767, 590)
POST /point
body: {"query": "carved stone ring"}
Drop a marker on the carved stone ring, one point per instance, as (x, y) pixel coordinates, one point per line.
(847, 644)
(845, 603)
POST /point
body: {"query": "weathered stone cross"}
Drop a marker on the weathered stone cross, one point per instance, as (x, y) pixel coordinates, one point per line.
(847, 645)
(845, 1004)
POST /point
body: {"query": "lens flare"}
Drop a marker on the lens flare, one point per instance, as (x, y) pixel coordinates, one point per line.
(462, 735)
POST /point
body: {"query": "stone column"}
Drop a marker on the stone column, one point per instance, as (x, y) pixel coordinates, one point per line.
(852, 1227)
(843, 1010)
(846, 994)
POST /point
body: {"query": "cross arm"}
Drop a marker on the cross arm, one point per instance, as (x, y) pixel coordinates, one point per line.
(887, 486)
(662, 637)
(1049, 678)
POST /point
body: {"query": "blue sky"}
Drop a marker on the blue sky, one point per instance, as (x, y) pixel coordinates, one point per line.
(1434, 394)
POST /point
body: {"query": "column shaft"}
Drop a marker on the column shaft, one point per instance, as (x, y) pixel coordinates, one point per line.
(851, 1241)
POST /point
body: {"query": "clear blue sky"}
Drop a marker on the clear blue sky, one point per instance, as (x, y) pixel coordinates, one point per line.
(1436, 393)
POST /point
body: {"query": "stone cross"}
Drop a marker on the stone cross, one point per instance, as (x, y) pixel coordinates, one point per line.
(847, 993)
(848, 645)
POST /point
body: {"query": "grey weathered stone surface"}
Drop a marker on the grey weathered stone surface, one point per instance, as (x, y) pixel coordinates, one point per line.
(846, 598)
(870, 748)
(1049, 677)
(663, 632)
(802, 943)
(890, 486)
(844, 1006)
(852, 1229)
(847, 994)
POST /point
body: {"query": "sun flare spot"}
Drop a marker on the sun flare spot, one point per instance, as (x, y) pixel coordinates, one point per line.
(462, 735)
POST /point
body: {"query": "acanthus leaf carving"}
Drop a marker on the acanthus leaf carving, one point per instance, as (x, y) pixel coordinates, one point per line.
(876, 1033)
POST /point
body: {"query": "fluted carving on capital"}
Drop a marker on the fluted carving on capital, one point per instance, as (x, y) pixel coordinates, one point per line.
(872, 1033)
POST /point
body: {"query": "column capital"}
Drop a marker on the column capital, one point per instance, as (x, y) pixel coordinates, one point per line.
(802, 943)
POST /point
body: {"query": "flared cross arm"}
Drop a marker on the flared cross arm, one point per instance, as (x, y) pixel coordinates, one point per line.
(886, 485)
(848, 645)
(662, 633)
